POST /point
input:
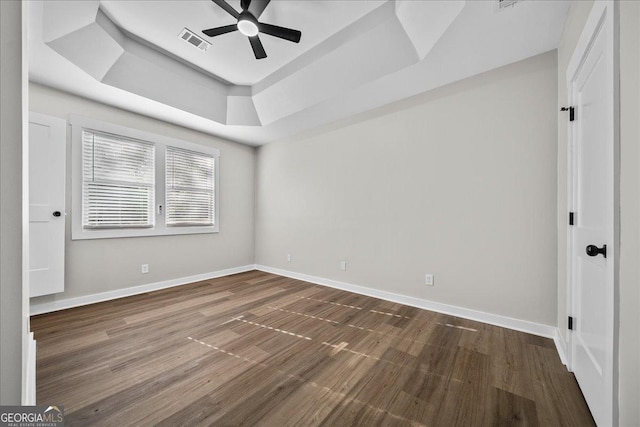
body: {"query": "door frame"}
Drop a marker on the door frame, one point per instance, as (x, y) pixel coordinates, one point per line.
(604, 12)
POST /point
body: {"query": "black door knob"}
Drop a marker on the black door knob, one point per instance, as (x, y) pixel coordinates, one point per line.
(57, 213)
(593, 250)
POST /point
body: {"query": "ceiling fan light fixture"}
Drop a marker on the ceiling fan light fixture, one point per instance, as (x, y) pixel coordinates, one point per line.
(247, 24)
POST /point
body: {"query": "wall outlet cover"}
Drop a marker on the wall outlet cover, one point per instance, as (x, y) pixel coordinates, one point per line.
(428, 279)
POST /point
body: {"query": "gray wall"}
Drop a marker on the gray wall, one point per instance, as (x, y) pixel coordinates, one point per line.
(94, 266)
(459, 182)
(11, 299)
(629, 332)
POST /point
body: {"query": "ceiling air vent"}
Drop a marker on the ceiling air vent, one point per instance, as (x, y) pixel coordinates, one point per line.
(502, 4)
(188, 36)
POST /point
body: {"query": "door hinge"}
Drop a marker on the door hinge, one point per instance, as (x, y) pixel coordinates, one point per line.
(571, 218)
(572, 112)
(570, 323)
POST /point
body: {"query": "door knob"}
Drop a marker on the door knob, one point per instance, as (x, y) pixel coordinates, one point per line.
(593, 250)
(57, 213)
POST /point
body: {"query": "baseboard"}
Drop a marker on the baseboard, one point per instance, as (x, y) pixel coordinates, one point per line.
(47, 307)
(492, 319)
(29, 394)
(561, 346)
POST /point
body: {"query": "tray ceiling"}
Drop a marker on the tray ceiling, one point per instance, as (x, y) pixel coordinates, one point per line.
(353, 56)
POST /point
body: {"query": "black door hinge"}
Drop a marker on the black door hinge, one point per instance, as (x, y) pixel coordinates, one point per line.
(571, 218)
(570, 323)
(572, 112)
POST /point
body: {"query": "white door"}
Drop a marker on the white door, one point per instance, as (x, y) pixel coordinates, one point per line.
(47, 153)
(593, 244)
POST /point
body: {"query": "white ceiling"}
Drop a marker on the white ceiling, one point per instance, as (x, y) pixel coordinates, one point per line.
(230, 56)
(353, 56)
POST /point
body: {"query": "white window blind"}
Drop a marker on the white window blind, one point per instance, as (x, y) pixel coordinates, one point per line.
(189, 188)
(118, 180)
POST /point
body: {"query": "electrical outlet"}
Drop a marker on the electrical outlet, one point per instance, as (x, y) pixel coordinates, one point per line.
(343, 265)
(288, 257)
(144, 268)
(428, 279)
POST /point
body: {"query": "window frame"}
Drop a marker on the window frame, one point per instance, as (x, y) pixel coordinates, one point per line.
(160, 228)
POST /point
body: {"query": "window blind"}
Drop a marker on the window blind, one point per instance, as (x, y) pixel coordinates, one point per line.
(190, 188)
(118, 177)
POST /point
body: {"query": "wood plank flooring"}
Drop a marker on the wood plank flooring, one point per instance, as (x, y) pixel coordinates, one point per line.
(258, 349)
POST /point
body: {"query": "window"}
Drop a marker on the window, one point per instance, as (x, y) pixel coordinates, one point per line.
(129, 183)
(118, 180)
(189, 188)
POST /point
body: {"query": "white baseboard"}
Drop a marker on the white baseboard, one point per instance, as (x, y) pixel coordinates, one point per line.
(492, 319)
(62, 304)
(561, 346)
(29, 396)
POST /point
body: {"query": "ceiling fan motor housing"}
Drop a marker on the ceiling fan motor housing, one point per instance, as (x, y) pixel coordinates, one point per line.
(247, 24)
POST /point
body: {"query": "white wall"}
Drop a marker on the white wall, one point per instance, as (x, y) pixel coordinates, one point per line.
(94, 266)
(12, 321)
(459, 182)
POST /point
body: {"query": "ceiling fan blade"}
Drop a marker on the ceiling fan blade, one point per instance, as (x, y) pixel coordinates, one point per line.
(212, 32)
(258, 49)
(280, 32)
(256, 7)
(227, 7)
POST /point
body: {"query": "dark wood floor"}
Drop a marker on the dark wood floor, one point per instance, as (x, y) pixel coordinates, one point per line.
(259, 349)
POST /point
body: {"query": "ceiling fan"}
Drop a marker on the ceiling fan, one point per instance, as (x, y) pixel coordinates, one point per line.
(249, 26)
